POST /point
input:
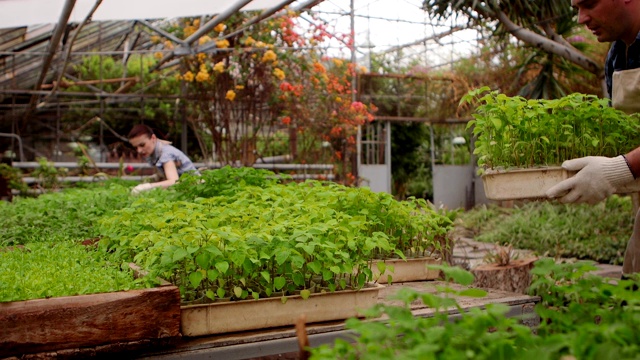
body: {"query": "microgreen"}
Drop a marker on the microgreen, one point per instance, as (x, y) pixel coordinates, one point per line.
(69, 214)
(43, 270)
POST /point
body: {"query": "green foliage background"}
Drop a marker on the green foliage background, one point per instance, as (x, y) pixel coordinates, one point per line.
(598, 233)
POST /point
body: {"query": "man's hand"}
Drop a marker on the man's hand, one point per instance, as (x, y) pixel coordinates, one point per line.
(597, 178)
(140, 188)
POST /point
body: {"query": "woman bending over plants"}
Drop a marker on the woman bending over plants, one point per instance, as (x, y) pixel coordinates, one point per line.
(170, 162)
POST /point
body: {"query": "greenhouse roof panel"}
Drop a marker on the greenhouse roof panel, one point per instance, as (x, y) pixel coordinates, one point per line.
(17, 13)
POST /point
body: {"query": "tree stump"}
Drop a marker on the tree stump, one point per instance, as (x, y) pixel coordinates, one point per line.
(514, 277)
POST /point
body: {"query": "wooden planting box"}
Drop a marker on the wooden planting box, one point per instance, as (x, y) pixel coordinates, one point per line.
(411, 269)
(231, 316)
(72, 322)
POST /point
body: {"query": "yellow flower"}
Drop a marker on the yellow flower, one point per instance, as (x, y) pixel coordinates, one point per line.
(337, 62)
(203, 40)
(278, 73)
(219, 67)
(249, 41)
(196, 22)
(220, 27)
(155, 39)
(338, 99)
(189, 30)
(202, 76)
(188, 76)
(168, 44)
(239, 87)
(203, 67)
(157, 55)
(222, 44)
(269, 55)
(230, 95)
(363, 69)
(260, 44)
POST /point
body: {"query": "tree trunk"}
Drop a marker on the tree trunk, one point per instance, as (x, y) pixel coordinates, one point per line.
(515, 277)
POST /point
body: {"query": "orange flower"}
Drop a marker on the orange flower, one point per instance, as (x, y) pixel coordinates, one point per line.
(202, 76)
(220, 27)
(219, 67)
(203, 40)
(157, 55)
(249, 41)
(189, 30)
(231, 95)
(286, 120)
(317, 67)
(269, 55)
(188, 76)
(222, 44)
(278, 73)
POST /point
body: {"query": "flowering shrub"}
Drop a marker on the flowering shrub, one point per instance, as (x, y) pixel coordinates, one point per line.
(270, 79)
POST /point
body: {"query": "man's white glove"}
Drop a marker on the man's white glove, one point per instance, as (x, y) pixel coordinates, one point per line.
(597, 178)
(140, 188)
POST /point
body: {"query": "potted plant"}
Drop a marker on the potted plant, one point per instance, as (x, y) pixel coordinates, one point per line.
(504, 270)
(521, 143)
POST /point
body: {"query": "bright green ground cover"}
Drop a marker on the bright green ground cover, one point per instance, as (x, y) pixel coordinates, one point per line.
(53, 261)
(42, 270)
(598, 233)
(67, 215)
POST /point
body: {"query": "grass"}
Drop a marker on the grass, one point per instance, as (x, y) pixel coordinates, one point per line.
(598, 233)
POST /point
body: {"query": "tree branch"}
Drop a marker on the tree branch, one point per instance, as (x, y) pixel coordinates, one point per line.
(548, 45)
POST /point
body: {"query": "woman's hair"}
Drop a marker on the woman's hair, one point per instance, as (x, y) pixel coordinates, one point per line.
(140, 129)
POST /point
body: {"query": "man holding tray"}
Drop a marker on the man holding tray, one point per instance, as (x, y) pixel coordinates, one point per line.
(598, 177)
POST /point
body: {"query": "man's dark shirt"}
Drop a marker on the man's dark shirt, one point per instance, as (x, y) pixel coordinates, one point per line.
(617, 60)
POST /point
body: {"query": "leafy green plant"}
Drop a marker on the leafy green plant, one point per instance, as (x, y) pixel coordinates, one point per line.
(43, 270)
(581, 317)
(248, 241)
(516, 132)
(14, 178)
(47, 174)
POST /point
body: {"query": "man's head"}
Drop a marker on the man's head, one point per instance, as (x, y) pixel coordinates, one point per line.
(143, 139)
(610, 20)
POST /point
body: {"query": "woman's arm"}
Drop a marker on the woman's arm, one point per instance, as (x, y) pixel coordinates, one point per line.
(171, 174)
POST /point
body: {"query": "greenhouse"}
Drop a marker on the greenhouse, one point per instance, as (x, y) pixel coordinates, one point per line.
(319, 179)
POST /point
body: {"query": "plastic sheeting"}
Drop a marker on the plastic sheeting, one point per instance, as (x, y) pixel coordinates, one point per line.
(16, 13)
